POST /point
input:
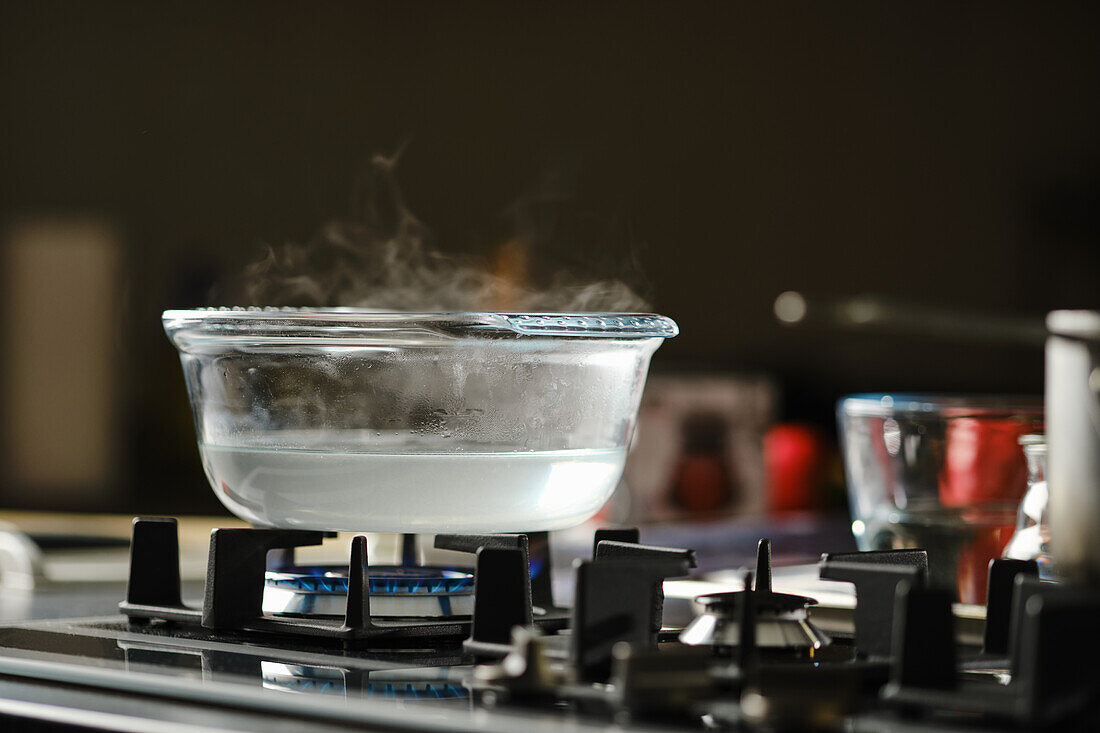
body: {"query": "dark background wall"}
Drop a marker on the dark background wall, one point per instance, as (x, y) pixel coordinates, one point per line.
(714, 154)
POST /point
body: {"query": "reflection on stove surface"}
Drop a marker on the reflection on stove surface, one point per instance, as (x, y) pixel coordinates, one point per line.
(407, 685)
(361, 677)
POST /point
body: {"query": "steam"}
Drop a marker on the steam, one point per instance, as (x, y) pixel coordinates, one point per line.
(385, 260)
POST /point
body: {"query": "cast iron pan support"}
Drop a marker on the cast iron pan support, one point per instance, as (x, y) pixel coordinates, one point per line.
(619, 599)
(235, 582)
(763, 565)
(1052, 651)
(235, 571)
(536, 552)
(876, 576)
(154, 563)
(502, 601)
(660, 556)
(629, 534)
(998, 603)
(748, 657)
(494, 627)
(512, 586)
(924, 637)
(614, 603)
(502, 590)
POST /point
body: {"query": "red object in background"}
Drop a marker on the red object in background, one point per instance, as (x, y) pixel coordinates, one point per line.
(702, 482)
(983, 465)
(972, 567)
(795, 460)
(984, 462)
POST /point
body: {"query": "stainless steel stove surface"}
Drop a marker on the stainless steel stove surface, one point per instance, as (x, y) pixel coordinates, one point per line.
(512, 659)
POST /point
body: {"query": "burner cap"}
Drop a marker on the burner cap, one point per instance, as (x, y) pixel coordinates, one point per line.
(730, 602)
(395, 591)
(781, 619)
(775, 629)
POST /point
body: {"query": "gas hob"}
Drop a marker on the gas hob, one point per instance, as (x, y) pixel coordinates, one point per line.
(275, 645)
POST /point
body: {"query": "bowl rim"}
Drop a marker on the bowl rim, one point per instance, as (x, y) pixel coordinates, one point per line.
(916, 404)
(341, 323)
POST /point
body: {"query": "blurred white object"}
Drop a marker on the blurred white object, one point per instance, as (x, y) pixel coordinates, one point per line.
(1073, 437)
(1031, 540)
(20, 559)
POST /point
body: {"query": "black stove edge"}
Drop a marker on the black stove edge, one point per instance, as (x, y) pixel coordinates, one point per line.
(354, 712)
(61, 707)
(21, 703)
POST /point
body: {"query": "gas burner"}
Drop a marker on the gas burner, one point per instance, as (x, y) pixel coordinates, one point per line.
(781, 619)
(395, 591)
(361, 605)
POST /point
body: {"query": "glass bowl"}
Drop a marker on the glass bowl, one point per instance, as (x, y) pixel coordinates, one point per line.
(943, 473)
(354, 420)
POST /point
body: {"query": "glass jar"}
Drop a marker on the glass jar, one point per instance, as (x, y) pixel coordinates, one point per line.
(1031, 538)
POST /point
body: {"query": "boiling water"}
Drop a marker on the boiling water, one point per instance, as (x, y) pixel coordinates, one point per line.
(412, 492)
